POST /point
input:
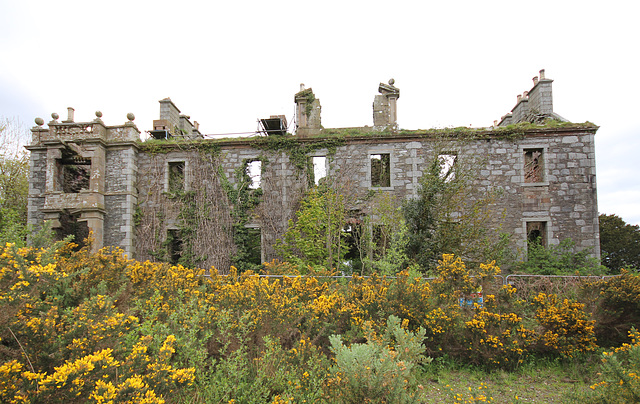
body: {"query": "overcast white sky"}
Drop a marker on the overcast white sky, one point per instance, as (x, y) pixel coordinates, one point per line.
(228, 63)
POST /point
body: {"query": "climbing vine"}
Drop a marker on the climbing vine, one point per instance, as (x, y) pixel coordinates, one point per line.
(309, 97)
(243, 202)
(190, 225)
(297, 149)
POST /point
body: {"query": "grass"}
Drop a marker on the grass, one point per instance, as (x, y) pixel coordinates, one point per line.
(535, 382)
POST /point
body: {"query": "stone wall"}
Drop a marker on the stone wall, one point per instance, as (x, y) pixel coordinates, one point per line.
(544, 174)
(37, 186)
(563, 199)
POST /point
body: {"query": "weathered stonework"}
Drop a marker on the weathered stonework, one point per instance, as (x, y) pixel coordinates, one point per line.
(129, 201)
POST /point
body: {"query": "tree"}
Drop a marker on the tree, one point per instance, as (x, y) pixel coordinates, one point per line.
(316, 237)
(14, 181)
(449, 216)
(619, 243)
(384, 237)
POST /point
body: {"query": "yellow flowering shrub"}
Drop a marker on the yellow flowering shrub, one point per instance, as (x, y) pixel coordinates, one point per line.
(497, 339)
(565, 328)
(615, 303)
(620, 373)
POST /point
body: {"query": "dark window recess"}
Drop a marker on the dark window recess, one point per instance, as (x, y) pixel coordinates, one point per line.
(176, 176)
(381, 170)
(174, 246)
(74, 173)
(352, 233)
(254, 246)
(70, 225)
(533, 165)
(537, 233)
(381, 239)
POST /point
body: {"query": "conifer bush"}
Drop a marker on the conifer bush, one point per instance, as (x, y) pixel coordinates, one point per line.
(381, 370)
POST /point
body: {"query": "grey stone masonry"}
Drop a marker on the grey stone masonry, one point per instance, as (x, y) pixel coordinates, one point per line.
(86, 170)
(133, 194)
(535, 105)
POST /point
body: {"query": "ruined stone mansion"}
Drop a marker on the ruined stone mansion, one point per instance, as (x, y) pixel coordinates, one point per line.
(183, 193)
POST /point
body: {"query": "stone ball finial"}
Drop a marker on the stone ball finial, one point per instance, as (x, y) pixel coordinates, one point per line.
(98, 114)
(392, 82)
(39, 121)
(130, 116)
(55, 116)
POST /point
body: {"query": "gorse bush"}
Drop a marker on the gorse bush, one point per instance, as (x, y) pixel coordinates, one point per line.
(82, 327)
(615, 305)
(621, 374)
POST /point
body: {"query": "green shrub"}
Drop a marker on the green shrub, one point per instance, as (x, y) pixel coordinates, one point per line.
(381, 370)
(561, 259)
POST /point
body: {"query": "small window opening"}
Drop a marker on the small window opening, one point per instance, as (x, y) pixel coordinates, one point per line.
(74, 173)
(254, 171)
(537, 233)
(381, 240)
(70, 225)
(174, 246)
(447, 165)
(176, 176)
(352, 232)
(381, 170)
(254, 246)
(533, 166)
(319, 168)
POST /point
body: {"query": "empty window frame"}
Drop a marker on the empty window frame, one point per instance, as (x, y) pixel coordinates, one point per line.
(176, 177)
(380, 170)
(253, 170)
(319, 164)
(71, 225)
(537, 233)
(74, 173)
(253, 244)
(174, 246)
(447, 166)
(533, 166)
(381, 240)
(352, 234)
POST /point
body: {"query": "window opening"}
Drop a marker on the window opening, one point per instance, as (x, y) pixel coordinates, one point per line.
(176, 176)
(533, 166)
(537, 233)
(381, 239)
(254, 171)
(174, 246)
(74, 172)
(319, 168)
(447, 165)
(381, 170)
(70, 225)
(352, 232)
(254, 245)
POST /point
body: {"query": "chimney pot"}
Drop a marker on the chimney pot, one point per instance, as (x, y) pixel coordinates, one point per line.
(519, 98)
(535, 80)
(525, 94)
(70, 112)
(542, 74)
